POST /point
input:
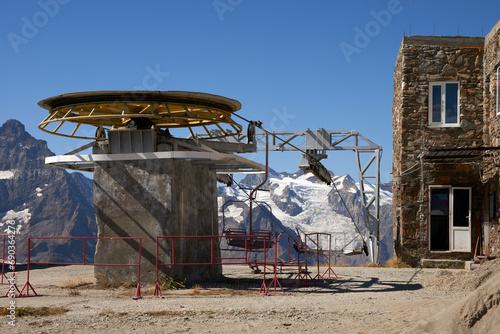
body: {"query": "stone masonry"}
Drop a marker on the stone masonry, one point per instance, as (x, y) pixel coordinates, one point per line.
(491, 176)
(422, 60)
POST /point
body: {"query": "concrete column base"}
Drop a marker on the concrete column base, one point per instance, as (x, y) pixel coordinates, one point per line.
(150, 198)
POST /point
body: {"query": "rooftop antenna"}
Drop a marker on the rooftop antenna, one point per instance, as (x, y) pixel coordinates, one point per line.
(410, 30)
(434, 30)
(458, 30)
(482, 31)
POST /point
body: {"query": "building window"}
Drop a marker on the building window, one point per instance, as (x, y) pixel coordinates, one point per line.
(450, 219)
(444, 104)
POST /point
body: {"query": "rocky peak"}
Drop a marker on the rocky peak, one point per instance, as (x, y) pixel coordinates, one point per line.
(19, 150)
(14, 129)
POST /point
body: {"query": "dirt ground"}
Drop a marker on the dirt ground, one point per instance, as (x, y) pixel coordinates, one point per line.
(361, 300)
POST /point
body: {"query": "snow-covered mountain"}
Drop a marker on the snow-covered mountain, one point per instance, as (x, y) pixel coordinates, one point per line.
(42, 201)
(301, 201)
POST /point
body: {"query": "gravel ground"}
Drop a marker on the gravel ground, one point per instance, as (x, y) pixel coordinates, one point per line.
(361, 300)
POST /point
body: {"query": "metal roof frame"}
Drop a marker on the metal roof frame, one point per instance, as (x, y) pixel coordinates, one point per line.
(457, 154)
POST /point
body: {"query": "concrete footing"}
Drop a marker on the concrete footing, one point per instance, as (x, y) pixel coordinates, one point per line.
(470, 265)
(442, 263)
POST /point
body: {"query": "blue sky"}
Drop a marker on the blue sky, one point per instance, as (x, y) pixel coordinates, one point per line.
(292, 64)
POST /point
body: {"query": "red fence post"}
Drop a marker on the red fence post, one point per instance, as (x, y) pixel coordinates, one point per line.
(138, 290)
(3, 262)
(157, 292)
(28, 285)
(84, 254)
(330, 270)
(275, 282)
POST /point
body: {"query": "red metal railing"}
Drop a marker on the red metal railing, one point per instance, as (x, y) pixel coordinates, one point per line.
(218, 260)
(317, 253)
(303, 277)
(290, 260)
(29, 287)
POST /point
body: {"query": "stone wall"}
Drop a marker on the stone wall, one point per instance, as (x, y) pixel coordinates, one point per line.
(397, 135)
(492, 133)
(422, 60)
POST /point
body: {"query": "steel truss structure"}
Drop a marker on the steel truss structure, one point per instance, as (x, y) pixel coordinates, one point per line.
(314, 145)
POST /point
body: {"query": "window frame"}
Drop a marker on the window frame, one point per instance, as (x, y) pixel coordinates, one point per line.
(443, 123)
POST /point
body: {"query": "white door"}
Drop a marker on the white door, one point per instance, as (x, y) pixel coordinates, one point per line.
(450, 219)
(460, 208)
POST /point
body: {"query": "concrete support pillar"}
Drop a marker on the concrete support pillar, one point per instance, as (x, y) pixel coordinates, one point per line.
(150, 198)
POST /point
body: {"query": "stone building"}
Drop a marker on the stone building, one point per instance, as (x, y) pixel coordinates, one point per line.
(446, 134)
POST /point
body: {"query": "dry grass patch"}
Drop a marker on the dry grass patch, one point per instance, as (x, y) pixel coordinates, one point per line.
(396, 262)
(74, 293)
(103, 283)
(73, 284)
(172, 283)
(35, 311)
(196, 289)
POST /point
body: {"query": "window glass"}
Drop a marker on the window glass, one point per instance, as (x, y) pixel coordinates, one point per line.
(439, 229)
(461, 209)
(439, 202)
(444, 104)
(436, 104)
(451, 103)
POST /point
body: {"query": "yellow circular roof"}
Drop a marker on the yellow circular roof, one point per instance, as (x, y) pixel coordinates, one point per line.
(163, 109)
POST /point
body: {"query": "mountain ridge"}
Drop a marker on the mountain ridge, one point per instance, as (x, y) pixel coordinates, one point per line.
(43, 201)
